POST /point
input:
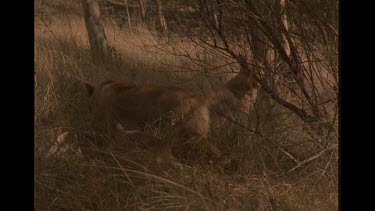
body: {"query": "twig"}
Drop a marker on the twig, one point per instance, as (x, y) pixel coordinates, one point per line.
(313, 157)
(282, 150)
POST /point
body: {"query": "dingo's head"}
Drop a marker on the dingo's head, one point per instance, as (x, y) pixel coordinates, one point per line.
(100, 98)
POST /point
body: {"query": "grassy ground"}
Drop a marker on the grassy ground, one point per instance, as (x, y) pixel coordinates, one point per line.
(110, 181)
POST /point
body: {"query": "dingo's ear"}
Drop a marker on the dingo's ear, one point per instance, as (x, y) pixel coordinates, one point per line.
(89, 88)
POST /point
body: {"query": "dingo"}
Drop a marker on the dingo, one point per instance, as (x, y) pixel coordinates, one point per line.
(131, 107)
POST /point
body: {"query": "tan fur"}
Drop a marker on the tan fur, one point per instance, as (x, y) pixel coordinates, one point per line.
(134, 106)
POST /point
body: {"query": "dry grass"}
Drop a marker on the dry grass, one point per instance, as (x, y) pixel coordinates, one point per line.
(129, 180)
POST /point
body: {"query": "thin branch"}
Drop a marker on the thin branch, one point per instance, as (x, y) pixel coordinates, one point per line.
(308, 160)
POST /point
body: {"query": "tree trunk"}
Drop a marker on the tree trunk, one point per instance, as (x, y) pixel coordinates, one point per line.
(143, 9)
(159, 10)
(284, 21)
(95, 30)
(219, 15)
(127, 12)
(261, 60)
(259, 56)
(283, 28)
